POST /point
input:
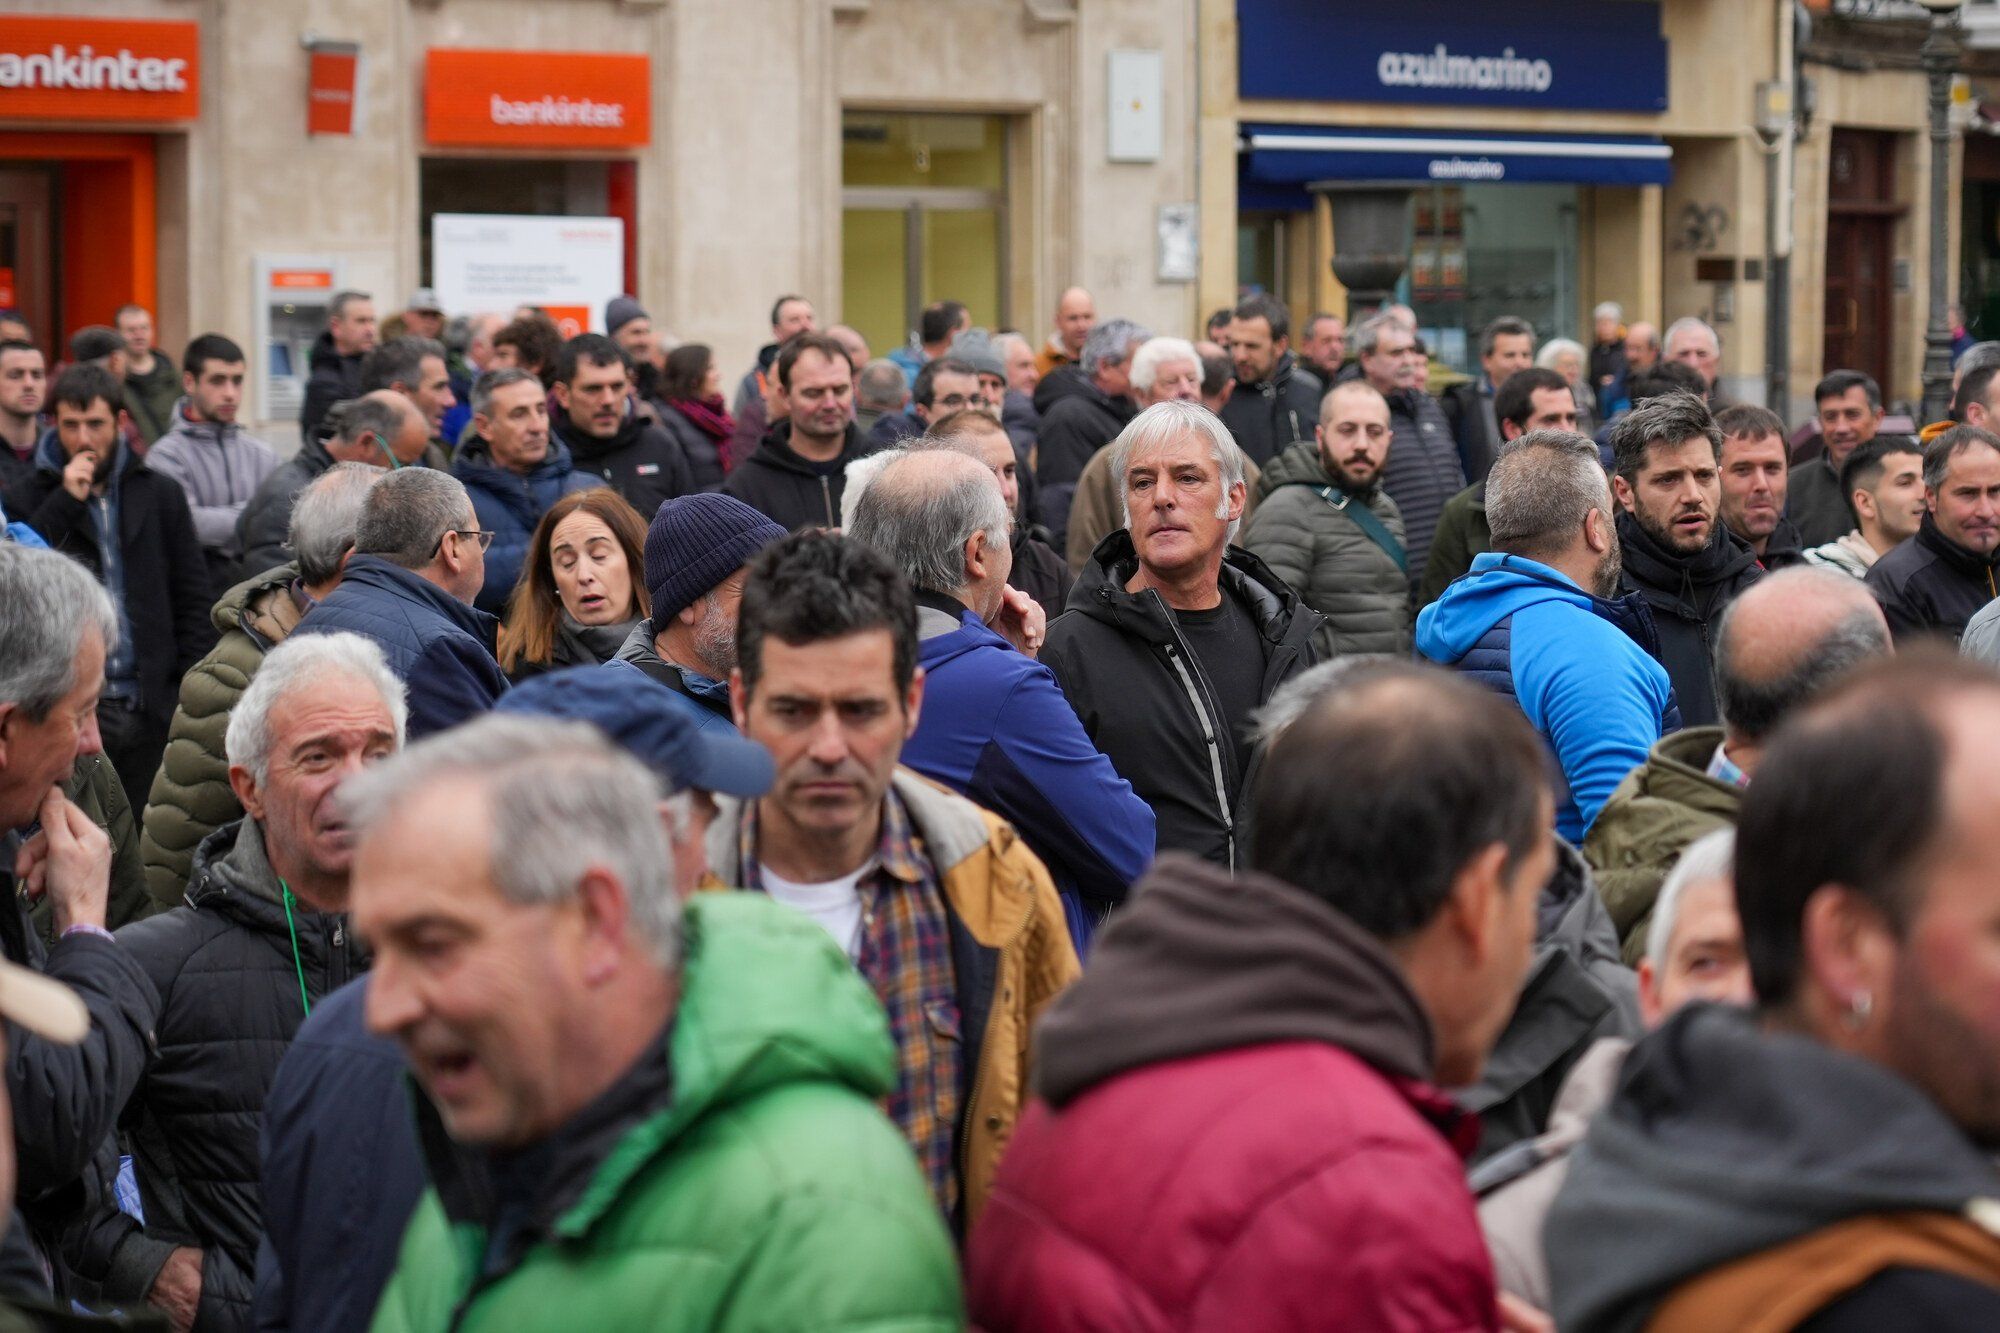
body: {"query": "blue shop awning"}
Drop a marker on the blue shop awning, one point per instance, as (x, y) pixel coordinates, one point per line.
(1296, 155)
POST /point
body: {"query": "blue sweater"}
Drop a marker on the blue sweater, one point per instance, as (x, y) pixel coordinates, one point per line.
(996, 728)
(1578, 666)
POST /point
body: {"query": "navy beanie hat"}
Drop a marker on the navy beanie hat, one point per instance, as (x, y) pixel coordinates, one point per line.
(697, 541)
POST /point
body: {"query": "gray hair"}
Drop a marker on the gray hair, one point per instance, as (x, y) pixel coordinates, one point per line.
(560, 801)
(307, 660)
(492, 381)
(1289, 702)
(1671, 419)
(407, 513)
(1977, 357)
(1110, 343)
(881, 385)
(922, 523)
(1366, 338)
(1156, 352)
(337, 307)
(1001, 341)
(398, 361)
(860, 475)
(382, 417)
(1166, 423)
(1708, 858)
(1608, 310)
(326, 516)
(1507, 326)
(1753, 707)
(1543, 486)
(1690, 324)
(1947, 445)
(1556, 347)
(48, 602)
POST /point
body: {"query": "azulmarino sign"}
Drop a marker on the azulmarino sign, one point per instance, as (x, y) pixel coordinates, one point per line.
(1583, 55)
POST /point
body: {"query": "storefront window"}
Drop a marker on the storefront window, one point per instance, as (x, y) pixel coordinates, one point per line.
(537, 187)
(1483, 251)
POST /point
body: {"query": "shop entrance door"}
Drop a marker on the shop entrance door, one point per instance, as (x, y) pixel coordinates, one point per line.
(27, 257)
(1860, 229)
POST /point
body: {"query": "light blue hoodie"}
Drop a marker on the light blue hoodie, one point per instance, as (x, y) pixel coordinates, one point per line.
(1581, 668)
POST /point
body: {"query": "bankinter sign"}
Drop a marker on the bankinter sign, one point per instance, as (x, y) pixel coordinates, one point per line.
(99, 69)
(537, 99)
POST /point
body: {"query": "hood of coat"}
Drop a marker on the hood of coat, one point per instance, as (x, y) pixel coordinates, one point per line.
(215, 432)
(1100, 594)
(1065, 381)
(775, 451)
(50, 456)
(232, 875)
(1498, 586)
(1201, 962)
(235, 607)
(588, 450)
(1677, 771)
(1723, 1141)
(325, 354)
(1297, 464)
(1683, 584)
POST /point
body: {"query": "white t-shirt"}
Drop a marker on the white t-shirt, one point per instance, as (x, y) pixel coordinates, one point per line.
(835, 904)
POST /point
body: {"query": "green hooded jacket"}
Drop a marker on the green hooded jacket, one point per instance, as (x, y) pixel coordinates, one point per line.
(769, 1193)
(1661, 806)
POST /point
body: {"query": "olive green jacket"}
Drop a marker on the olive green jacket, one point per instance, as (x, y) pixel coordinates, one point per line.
(191, 796)
(1462, 533)
(1661, 806)
(95, 789)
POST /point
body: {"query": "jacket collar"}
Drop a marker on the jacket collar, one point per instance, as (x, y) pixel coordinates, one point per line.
(1100, 594)
(372, 571)
(1963, 559)
(638, 651)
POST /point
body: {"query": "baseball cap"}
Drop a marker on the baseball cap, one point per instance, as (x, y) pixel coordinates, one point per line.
(425, 299)
(42, 1005)
(646, 718)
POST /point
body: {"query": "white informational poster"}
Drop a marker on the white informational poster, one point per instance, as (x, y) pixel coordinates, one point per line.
(494, 262)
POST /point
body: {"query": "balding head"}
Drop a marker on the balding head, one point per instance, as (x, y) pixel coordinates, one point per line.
(1785, 641)
(938, 515)
(1076, 315)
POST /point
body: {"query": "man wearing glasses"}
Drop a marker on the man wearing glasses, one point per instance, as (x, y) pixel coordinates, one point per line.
(381, 429)
(419, 560)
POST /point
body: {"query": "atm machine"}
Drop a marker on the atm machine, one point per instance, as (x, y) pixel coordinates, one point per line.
(292, 293)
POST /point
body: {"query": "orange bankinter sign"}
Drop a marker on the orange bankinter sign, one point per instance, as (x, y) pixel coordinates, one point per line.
(537, 99)
(61, 68)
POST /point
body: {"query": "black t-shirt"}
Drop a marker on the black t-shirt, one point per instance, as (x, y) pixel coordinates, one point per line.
(1231, 651)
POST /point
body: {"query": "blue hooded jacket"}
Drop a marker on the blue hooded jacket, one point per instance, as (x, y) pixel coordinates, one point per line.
(509, 506)
(996, 728)
(1583, 669)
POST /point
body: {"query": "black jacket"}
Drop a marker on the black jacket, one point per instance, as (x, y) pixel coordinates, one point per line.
(1478, 446)
(1270, 416)
(1422, 471)
(1687, 595)
(1040, 572)
(1783, 548)
(1146, 702)
(224, 963)
(1932, 585)
(167, 590)
(641, 462)
(266, 521)
(702, 450)
(789, 490)
(1075, 427)
(335, 378)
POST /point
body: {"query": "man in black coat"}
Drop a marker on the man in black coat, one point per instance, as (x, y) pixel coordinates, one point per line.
(799, 472)
(383, 429)
(56, 624)
(336, 358)
(1173, 637)
(94, 499)
(1678, 554)
(262, 935)
(1276, 402)
(1086, 406)
(1424, 470)
(1506, 347)
(606, 434)
(1934, 583)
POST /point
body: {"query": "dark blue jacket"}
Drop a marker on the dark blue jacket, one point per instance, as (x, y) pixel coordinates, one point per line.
(996, 728)
(440, 647)
(509, 506)
(1583, 669)
(342, 1172)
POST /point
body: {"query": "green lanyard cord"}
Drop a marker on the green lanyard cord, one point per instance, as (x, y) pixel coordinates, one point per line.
(292, 926)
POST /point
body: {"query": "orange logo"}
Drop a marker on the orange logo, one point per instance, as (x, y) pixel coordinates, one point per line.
(537, 99)
(99, 69)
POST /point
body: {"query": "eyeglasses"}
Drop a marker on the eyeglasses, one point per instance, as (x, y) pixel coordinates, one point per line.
(484, 536)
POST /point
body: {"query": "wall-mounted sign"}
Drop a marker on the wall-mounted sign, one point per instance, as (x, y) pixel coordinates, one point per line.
(496, 261)
(1133, 81)
(537, 99)
(1599, 55)
(99, 69)
(331, 81)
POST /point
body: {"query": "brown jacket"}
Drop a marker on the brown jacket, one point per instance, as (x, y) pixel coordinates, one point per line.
(1003, 898)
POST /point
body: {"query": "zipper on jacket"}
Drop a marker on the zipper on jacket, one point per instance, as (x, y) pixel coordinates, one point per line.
(1208, 734)
(826, 498)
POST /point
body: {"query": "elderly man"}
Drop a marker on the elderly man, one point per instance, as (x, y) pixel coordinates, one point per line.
(382, 429)
(419, 560)
(1695, 344)
(217, 463)
(192, 796)
(1607, 364)
(57, 626)
(1935, 583)
(945, 912)
(880, 395)
(677, 1115)
(1779, 646)
(1332, 534)
(1276, 401)
(1423, 470)
(1539, 621)
(337, 354)
(1038, 571)
(1076, 316)
(513, 470)
(996, 726)
(262, 935)
(1178, 637)
(1084, 419)
(1323, 346)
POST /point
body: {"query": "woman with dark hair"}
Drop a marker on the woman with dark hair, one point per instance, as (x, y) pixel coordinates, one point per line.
(582, 589)
(695, 415)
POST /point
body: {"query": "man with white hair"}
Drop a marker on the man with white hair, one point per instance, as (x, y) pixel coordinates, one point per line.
(1606, 362)
(1694, 343)
(676, 1113)
(1170, 623)
(1085, 419)
(262, 934)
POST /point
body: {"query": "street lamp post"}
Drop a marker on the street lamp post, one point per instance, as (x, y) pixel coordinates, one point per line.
(1939, 56)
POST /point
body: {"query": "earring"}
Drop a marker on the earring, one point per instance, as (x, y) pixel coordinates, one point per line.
(1859, 1009)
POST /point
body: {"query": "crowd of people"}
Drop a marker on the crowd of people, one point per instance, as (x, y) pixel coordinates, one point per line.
(1104, 830)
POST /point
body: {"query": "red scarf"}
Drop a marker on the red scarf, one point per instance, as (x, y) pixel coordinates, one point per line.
(709, 415)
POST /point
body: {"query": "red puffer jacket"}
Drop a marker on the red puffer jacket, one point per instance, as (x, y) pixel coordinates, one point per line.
(1235, 1135)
